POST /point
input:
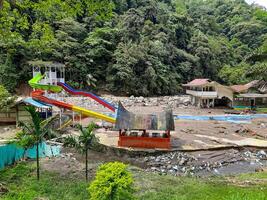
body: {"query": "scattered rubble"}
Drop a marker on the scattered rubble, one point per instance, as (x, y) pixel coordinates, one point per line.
(178, 163)
(244, 131)
(170, 101)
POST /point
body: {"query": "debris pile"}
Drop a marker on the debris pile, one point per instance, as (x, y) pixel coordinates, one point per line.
(255, 157)
(245, 131)
(170, 101)
(178, 163)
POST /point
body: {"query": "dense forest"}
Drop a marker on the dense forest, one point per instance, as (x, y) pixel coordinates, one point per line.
(139, 47)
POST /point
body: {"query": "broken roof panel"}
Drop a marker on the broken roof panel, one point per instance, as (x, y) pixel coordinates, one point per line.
(260, 85)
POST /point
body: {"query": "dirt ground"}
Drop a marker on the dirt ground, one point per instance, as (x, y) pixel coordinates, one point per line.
(198, 135)
(7, 133)
(204, 140)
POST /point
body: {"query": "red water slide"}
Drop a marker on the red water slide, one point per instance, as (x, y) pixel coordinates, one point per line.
(72, 91)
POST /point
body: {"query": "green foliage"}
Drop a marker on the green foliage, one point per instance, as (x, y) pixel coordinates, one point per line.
(85, 140)
(234, 75)
(33, 133)
(261, 15)
(130, 47)
(5, 98)
(258, 71)
(150, 186)
(24, 186)
(112, 182)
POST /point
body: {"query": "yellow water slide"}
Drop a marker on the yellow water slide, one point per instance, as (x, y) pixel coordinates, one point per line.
(39, 95)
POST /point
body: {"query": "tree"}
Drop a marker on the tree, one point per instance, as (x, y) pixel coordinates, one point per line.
(5, 98)
(234, 75)
(112, 182)
(33, 134)
(141, 47)
(257, 71)
(83, 143)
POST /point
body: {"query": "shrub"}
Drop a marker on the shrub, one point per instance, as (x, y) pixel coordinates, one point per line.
(5, 98)
(112, 182)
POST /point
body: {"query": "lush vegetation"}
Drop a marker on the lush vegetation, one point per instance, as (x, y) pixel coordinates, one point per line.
(141, 47)
(112, 182)
(83, 142)
(22, 184)
(33, 134)
(6, 99)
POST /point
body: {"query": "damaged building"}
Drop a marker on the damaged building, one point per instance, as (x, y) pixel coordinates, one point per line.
(252, 95)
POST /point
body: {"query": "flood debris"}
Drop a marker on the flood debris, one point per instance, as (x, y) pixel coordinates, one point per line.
(180, 163)
(245, 131)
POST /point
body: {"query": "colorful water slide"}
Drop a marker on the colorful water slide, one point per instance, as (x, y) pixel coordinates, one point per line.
(39, 96)
(72, 91)
(34, 83)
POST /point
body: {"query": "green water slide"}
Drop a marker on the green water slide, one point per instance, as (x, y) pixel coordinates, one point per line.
(34, 83)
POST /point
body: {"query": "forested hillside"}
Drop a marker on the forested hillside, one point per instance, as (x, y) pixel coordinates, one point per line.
(140, 47)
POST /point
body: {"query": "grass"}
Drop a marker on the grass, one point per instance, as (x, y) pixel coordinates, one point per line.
(241, 187)
(22, 184)
(262, 110)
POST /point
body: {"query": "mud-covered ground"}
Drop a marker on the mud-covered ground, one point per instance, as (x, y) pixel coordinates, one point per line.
(198, 147)
(197, 163)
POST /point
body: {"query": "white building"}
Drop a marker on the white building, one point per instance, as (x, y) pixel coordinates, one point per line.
(206, 93)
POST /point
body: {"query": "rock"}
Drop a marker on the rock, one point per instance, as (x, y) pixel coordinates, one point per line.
(154, 169)
(6, 129)
(216, 171)
(183, 169)
(169, 166)
(132, 97)
(263, 125)
(175, 168)
(182, 161)
(261, 154)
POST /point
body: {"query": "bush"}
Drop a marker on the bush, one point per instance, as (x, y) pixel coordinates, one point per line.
(5, 98)
(112, 182)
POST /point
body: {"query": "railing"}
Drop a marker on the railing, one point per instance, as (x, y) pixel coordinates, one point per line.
(211, 94)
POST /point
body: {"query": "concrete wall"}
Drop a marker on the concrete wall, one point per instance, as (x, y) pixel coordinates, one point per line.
(225, 92)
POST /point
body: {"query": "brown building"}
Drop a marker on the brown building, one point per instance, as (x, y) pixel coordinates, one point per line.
(252, 95)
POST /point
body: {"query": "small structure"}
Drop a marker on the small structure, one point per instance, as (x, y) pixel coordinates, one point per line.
(144, 131)
(206, 93)
(251, 96)
(17, 112)
(54, 72)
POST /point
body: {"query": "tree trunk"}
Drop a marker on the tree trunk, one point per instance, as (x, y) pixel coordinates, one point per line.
(1, 4)
(37, 160)
(86, 164)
